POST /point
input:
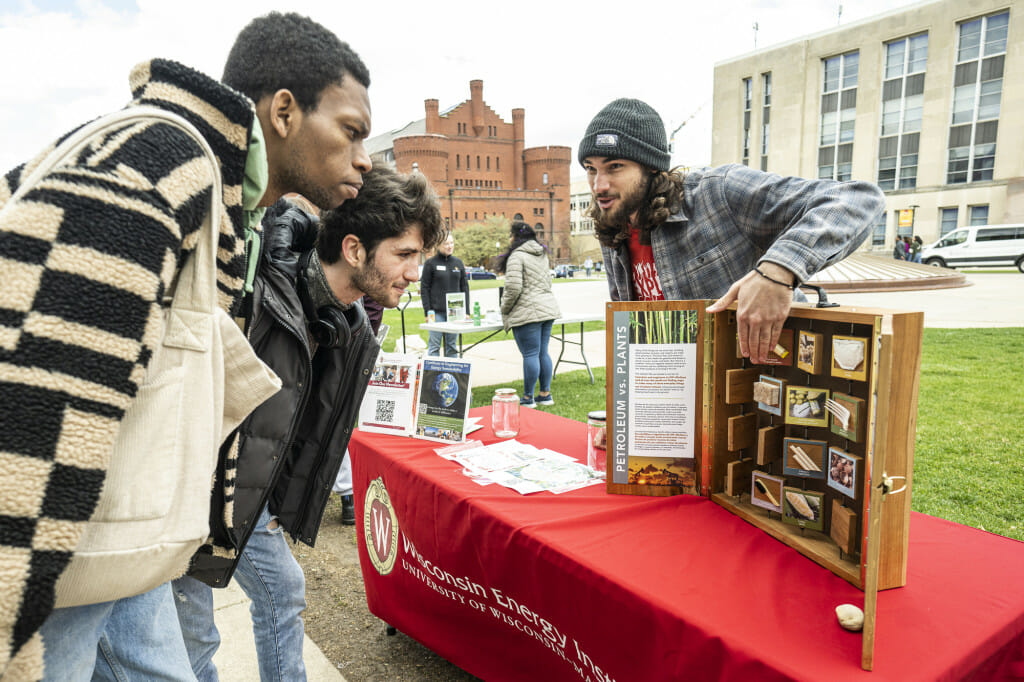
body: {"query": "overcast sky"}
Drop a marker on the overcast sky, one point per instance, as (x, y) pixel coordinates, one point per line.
(66, 61)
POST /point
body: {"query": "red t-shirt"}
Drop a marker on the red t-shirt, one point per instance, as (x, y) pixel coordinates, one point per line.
(646, 285)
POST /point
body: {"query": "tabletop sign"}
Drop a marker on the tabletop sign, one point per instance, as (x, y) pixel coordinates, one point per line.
(455, 304)
(687, 414)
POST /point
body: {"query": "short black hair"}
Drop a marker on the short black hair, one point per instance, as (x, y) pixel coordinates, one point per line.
(290, 52)
(387, 204)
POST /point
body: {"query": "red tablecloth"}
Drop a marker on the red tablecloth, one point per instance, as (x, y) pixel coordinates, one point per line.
(587, 585)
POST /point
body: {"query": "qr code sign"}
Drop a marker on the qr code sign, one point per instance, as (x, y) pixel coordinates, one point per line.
(385, 411)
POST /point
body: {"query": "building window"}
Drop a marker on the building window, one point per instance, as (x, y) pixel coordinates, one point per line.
(978, 214)
(488, 163)
(497, 163)
(518, 216)
(478, 163)
(977, 93)
(545, 179)
(458, 162)
(467, 161)
(766, 105)
(878, 236)
(746, 121)
(838, 115)
(947, 220)
(902, 104)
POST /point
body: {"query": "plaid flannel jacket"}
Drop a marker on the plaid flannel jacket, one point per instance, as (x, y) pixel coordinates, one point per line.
(734, 217)
(85, 258)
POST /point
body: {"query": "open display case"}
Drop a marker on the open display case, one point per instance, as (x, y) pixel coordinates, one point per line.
(796, 447)
(815, 447)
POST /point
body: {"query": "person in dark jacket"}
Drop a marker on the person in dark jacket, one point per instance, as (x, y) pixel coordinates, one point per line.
(443, 273)
(308, 326)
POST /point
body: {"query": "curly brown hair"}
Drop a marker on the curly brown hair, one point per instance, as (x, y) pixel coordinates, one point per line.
(387, 204)
(664, 197)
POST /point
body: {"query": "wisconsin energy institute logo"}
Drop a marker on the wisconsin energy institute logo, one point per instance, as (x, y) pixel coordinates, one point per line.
(380, 526)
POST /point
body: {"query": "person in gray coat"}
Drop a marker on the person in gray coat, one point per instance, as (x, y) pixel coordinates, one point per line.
(529, 308)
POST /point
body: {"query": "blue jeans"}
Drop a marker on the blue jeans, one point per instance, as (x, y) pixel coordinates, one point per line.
(532, 340)
(451, 350)
(273, 580)
(136, 638)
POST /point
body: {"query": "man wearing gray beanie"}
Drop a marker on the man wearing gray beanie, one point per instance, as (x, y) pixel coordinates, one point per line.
(731, 233)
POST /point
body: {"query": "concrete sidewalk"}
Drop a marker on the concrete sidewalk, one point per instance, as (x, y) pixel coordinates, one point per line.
(236, 658)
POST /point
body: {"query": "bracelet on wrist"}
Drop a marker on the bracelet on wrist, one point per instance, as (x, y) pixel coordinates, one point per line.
(791, 287)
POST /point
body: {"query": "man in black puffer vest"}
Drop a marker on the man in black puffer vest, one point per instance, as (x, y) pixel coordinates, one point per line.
(442, 274)
(307, 324)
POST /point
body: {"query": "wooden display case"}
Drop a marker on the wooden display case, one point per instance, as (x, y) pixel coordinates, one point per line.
(737, 437)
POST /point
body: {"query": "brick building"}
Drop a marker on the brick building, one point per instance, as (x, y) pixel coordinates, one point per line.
(480, 167)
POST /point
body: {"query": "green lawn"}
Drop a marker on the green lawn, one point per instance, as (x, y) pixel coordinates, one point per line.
(968, 464)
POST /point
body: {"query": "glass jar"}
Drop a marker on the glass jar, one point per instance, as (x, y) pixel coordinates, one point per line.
(505, 413)
(597, 437)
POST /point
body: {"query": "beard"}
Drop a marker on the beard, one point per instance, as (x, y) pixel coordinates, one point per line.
(373, 283)
(296, 175)
(630, 201)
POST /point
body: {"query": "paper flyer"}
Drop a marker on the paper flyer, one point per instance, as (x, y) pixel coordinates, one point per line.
(443, 399)
(389, 405)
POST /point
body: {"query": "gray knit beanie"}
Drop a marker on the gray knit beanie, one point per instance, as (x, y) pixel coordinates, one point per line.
(627, 129)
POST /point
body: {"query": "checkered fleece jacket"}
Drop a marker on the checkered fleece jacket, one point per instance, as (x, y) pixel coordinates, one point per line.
(85, 258)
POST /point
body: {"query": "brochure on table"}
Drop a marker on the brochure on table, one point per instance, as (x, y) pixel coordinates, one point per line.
(521, 467)
(421, 397)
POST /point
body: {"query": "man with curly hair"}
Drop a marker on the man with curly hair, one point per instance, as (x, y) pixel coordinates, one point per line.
(731, 233)
(88, 254)
(291, 447)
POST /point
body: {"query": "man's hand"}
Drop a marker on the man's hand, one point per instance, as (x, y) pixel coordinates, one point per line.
(762, 308)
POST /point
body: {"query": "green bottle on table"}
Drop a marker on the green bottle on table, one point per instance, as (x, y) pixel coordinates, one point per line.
(476, 314)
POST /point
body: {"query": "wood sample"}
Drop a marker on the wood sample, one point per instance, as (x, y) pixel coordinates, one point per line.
(769, 444)
(737, 475)
(739, 385)
(844, 528)
(742, 432)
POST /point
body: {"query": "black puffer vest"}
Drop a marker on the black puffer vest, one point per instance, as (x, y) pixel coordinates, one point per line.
(291, 447)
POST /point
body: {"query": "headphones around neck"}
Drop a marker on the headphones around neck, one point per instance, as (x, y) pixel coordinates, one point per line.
(330, 326)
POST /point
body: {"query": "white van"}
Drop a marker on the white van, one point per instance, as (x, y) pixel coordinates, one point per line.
(978, 246)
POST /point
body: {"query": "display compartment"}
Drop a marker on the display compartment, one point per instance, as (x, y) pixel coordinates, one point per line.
(818, 425)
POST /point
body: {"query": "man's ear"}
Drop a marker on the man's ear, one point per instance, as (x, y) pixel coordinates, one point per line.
(285, 114)
(353, 251)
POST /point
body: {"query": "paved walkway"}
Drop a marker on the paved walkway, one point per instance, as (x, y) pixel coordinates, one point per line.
(236, 658)
(993, 300)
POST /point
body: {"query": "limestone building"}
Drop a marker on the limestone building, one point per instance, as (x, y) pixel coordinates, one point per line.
(920, 100)
(581, 225)
(480, 166)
